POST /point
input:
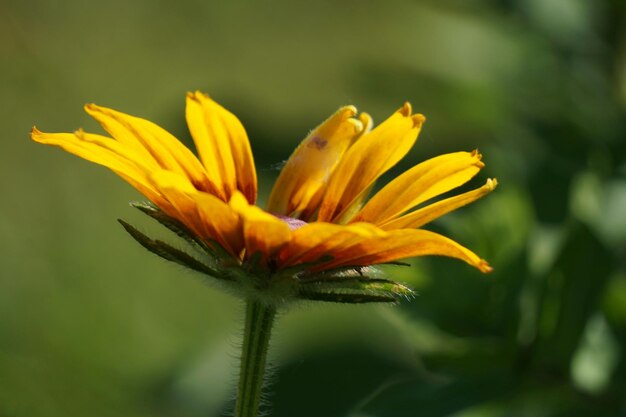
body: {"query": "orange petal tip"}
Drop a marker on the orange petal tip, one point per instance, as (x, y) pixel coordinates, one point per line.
(478, 156)
(418, 119)
(197, 95)
(35, 134)
(484, 267)
(406, 109)
(367, 121)
(492, 183)
(93, 108)
(348, 111)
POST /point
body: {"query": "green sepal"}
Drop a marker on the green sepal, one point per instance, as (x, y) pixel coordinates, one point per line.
(363, 284)
(343, 272)
(348, 298)
(352, 285)
(360, 289)
(171, 254)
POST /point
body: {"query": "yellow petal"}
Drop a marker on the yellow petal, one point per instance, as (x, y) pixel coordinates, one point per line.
(154, 143)
(263, 233)
(121, 133)
(429, 213)
(300, 186)
(402, 244)
(206, 215)
(355, 207)
(223, 146)
(366, 160)
(107, 152)
(221, 223)
(313, 241)
(176, 189)
(422, 182)
(101, 150)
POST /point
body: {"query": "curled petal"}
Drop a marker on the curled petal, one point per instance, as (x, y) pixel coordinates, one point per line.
(302, 182)
(371, 156)
(402, 244)
(420, 217)
(421, 183)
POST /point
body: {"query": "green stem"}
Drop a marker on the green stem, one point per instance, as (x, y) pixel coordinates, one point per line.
(256, 337)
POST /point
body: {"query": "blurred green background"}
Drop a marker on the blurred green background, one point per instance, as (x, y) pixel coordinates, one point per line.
(93, 325)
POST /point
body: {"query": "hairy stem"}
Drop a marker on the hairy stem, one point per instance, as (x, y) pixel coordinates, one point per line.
(256, 337)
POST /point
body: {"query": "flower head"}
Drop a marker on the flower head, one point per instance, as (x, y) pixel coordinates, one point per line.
(320, 236)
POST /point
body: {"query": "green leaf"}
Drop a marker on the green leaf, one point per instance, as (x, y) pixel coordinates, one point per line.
(422, 396)
(572, 294)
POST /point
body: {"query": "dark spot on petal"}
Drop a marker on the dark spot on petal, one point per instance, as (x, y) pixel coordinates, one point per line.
(317, 142)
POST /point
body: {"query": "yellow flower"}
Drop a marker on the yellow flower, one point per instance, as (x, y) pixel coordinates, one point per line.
(318, 220)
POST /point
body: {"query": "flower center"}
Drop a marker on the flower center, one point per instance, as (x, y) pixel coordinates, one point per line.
(292, 222)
